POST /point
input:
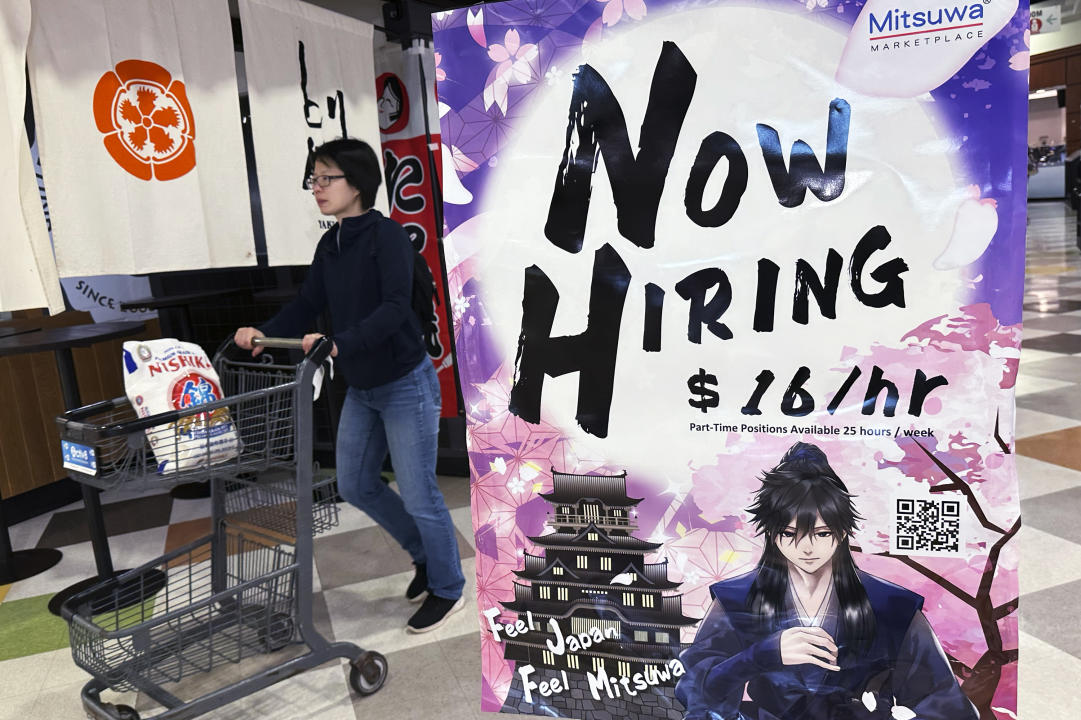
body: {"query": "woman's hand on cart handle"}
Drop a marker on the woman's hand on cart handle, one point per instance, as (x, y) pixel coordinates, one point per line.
(310, 339)
(243, 339)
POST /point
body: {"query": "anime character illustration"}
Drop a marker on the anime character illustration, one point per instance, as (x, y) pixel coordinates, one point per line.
(807, 635)
(391, 104)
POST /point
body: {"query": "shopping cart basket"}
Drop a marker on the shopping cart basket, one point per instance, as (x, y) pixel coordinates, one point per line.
(243, 590)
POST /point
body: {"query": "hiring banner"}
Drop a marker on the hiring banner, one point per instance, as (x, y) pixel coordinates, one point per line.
(311, 79)
(409, 130)
(738, 308)
(138, 126)
(28, 277)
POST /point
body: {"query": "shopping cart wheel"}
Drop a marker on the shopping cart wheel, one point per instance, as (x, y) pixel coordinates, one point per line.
(368, 672)
(279, 632)
(125, 712)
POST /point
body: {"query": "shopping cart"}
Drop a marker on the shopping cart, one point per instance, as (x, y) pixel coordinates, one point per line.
(243, 590)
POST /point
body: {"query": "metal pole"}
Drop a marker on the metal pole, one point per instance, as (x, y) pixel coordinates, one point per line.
(437, 206)
(91, 496)
(7, 554)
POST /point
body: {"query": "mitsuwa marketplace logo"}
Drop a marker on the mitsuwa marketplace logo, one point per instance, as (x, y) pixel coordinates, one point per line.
(912, 27)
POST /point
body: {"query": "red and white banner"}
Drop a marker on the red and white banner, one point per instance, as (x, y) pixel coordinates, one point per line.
(405, 88)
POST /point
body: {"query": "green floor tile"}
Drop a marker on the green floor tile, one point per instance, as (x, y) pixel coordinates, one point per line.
(27, 628)
(127, 617)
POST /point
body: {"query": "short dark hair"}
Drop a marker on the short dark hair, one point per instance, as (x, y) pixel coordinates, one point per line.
(358, 163)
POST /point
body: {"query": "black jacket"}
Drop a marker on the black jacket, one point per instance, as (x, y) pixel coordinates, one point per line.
(733, 654)
(367, 286)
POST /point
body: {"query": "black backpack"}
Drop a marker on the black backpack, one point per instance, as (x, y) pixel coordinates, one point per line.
(424, 299)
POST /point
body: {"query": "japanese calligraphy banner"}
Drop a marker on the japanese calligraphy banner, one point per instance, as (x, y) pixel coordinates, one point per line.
(100, 295)
(28, 277)
(311, 79)
(738, 310)
(135, 104)
(409, 129)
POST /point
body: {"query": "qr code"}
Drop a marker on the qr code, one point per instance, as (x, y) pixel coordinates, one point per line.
(930, 526)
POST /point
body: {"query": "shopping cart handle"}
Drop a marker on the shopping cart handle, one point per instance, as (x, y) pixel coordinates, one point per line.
(72, 426)
(319, 352)
(77, 414)
(282, 343)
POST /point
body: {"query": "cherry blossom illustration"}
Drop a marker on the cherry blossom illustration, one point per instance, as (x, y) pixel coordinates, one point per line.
(700, 558)
(1020, 60)
(474, 19)
(493, 500)
(462, 162)
(482, 130)
(476, 131)
(440, 73)
(614, 10)
(986, 588)
(454, 192)
(444, 19)
(510, 460)
(520, 446)
(535, 13)
(146, 119)
(514, 66)
(495, 581)
(461, 303)
(974, 327)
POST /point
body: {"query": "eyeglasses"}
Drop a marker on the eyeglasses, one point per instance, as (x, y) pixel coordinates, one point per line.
(320, 180)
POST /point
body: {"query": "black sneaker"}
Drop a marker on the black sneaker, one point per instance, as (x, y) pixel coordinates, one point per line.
(433, 613)
(418, 585)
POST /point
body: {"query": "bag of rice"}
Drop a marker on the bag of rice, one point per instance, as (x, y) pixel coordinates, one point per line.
(167, 374)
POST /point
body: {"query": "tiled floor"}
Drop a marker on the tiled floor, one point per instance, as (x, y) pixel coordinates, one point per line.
(1049, 466)
(360, 573)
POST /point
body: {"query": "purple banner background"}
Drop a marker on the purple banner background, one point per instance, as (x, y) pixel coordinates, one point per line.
(985, 113)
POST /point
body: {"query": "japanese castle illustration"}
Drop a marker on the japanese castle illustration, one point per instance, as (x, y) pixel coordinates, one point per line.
(592, 576)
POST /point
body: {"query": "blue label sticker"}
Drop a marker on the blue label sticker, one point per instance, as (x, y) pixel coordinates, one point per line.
(129, 362)
(79, 457)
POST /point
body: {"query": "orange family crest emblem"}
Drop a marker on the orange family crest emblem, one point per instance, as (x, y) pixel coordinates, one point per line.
(146, 120)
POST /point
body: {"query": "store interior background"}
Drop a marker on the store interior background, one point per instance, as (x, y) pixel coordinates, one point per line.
(357, 567)
(1054, 134)
(1055, 161)
(30, 486)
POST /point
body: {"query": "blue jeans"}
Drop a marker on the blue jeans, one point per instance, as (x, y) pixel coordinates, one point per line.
(402, 416)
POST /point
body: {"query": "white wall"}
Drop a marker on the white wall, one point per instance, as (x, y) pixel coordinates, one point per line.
(1045, 117)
